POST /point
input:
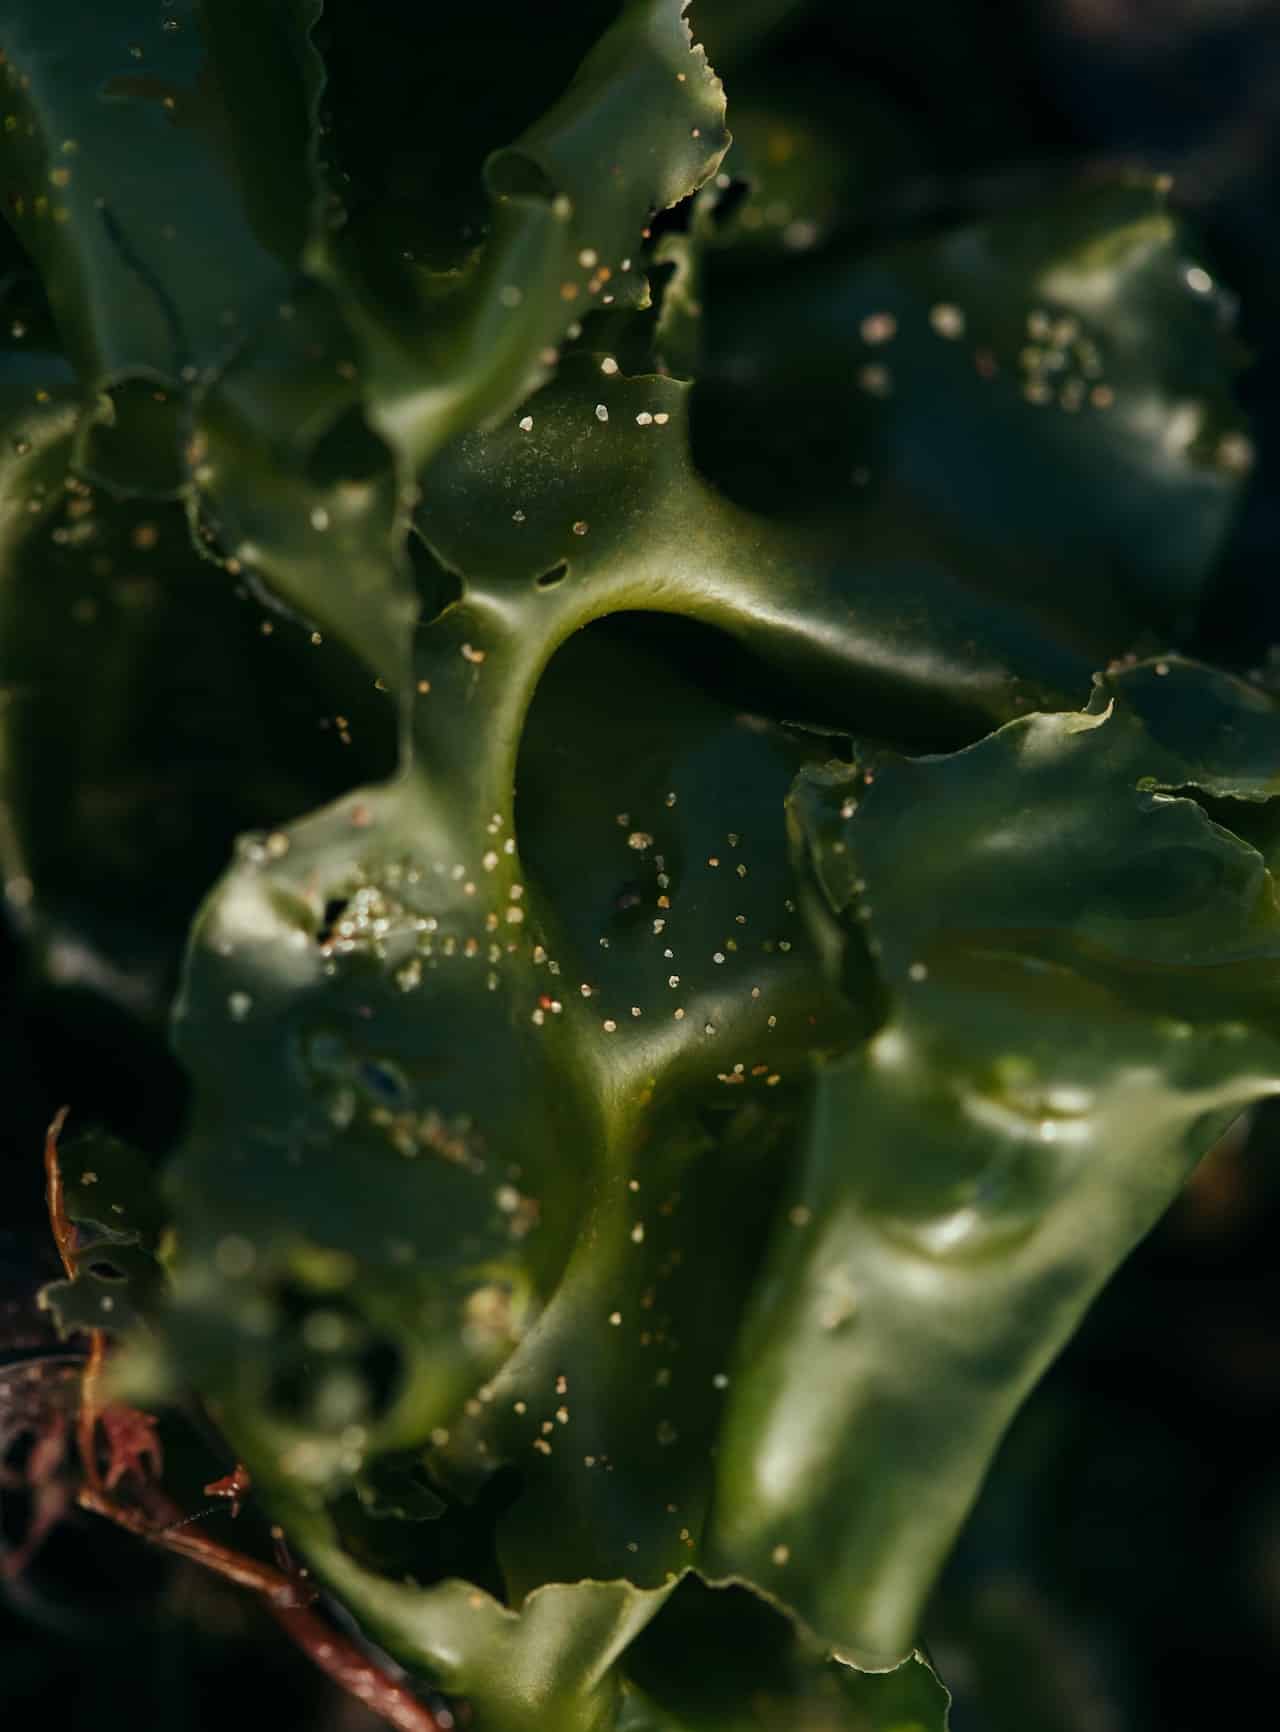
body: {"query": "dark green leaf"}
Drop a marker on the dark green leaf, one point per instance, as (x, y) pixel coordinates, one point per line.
(640, 126)
(209, 716)
(163, 219)
(721, 1660)
(1082, 975)
(111, 1197)
(1081, 339)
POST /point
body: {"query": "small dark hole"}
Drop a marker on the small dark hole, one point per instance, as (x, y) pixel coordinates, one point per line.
(334, 909)
(557, 574)
(514, 175)
(382, 1079)
(437, 586)
(382, 1368)
(349, 451)
(106, 1271)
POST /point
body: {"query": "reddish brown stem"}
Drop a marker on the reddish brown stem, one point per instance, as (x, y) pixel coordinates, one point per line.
(277, 1588)
(342, 1661)
(289, 1600)
(287, 1595)
(87, 1421)
(64, 1234)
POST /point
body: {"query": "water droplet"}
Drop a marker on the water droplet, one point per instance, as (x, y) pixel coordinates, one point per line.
(1235, 453)
(947, 320)
(800, 234)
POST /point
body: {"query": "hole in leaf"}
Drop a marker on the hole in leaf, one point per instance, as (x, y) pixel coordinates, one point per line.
(557, 574)
(514, 175)
(334, 909)
(382, 1080)
(747, 1652)
(381, 1369)
(132, 442)
(104, 1271)
(463, 1540)
(393, 1488)
(349, 451)
(711, 660)
(458, 1539)
(1256, 822)
(437, 586)
(507, 66)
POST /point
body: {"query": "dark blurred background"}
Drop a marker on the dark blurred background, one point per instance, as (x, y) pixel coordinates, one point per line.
(1122, 1571)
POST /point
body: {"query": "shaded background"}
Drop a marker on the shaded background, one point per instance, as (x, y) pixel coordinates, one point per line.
(1123, 1568)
